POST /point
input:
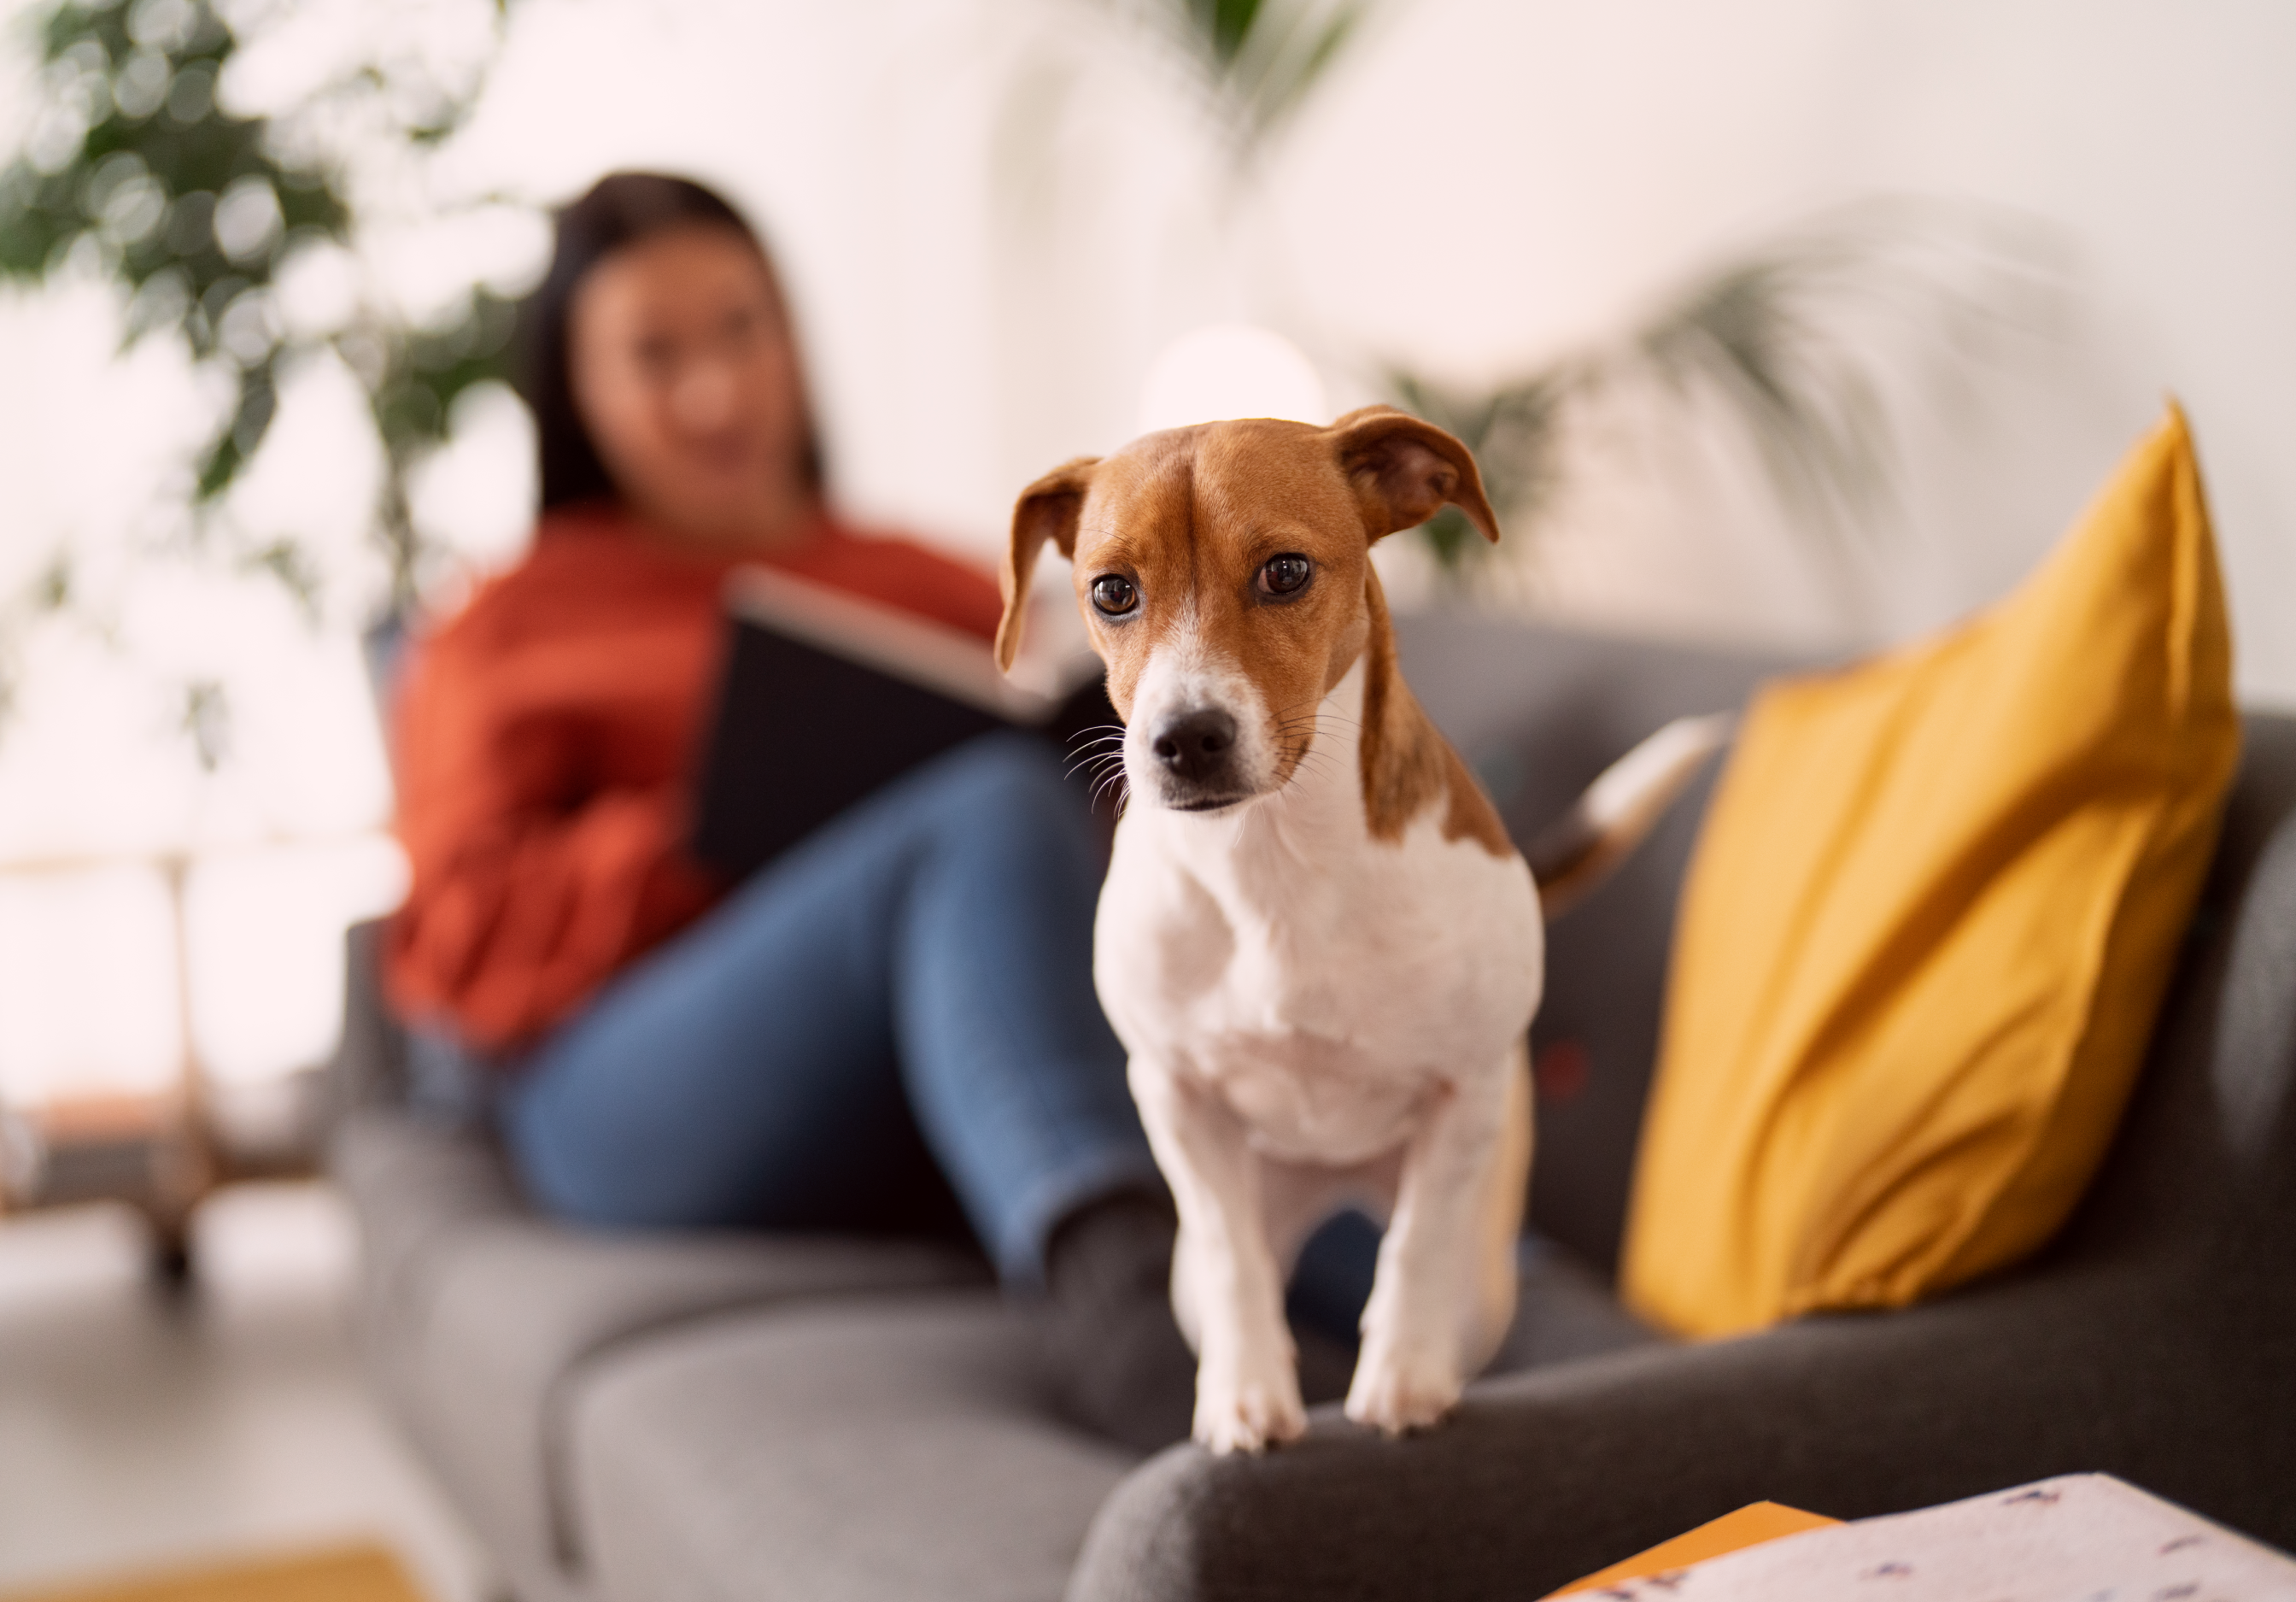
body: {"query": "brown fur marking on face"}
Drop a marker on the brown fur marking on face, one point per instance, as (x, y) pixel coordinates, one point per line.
(1189, 516)
(1407, 765)
(1350, 647)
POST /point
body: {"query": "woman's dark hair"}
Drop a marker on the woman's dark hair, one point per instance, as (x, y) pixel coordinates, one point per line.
(621, 209)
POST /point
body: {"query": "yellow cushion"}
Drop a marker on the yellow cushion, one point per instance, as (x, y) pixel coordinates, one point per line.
(1928, 926)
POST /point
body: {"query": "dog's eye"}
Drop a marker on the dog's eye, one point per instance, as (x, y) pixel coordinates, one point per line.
(1114, 594)
(1284, 575)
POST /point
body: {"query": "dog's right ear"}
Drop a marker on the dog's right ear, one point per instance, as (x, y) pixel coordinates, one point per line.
(1046, 510)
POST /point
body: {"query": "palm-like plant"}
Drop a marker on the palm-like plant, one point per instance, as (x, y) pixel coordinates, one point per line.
(135, 167)
(1778, 342)
(1788, 345)
(1261, 58)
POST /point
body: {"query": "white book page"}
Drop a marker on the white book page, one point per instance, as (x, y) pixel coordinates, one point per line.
(924, 652)
(2081, 1537)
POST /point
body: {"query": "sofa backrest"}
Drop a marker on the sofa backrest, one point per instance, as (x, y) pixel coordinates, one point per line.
(2203, 1169)
(1537, 712)
(2206, 1159)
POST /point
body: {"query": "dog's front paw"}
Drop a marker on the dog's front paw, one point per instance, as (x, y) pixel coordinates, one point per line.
(1248, 1412)
(1397, 1388)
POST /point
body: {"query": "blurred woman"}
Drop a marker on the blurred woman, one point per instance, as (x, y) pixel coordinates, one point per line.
(905, 996)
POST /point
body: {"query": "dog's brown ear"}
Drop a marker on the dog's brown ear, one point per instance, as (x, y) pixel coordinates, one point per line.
(1047, 509)
(1405, 469)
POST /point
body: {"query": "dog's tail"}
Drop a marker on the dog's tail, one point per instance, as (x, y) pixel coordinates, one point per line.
(1577, 852)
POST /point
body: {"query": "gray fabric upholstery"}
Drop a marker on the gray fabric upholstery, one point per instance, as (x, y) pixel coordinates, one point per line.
(1538, 713)
(1566, 1311)
(710, 1417)
(1607, 962)
(479, 1319)
(416, 1191)
(886, 1449)
(525, 1308)
(2151, 1341)
(855, 1453)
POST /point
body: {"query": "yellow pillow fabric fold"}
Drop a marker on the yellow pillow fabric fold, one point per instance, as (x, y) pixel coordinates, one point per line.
(1929, 920)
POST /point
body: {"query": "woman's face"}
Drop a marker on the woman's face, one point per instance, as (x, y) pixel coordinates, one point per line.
(684, 374)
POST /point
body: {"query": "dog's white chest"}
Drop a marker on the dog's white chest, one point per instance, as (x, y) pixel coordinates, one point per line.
(1329, 988)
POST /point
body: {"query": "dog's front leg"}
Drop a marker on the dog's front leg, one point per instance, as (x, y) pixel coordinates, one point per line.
(1227, 1290)
(1445, 1289)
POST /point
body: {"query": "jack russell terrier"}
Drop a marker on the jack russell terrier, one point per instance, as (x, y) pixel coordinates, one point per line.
(1316, 941)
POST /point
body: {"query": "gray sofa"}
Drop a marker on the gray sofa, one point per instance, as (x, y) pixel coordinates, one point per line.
(699, 1418)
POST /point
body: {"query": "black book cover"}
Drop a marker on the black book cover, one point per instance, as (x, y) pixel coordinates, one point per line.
(824, 698)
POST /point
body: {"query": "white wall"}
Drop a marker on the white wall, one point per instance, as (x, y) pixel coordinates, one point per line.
(996, 214)
(1592, 153)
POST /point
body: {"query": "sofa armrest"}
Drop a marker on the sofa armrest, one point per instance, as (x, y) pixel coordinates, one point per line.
(1547, 1476)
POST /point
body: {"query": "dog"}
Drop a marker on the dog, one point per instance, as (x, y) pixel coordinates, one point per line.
(1316, 941)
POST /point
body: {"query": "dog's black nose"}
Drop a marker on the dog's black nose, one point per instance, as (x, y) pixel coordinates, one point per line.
(1195, 745)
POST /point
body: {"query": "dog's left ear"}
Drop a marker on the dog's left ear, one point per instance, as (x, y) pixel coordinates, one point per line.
(1403, 470)
(1046, 510)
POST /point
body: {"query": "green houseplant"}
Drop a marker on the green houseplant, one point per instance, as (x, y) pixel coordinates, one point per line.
(138, 168)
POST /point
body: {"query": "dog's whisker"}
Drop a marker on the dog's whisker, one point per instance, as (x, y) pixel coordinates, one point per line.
(1320, 714)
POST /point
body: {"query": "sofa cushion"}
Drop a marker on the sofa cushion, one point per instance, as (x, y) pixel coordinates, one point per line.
(478, 1315)
(525, 1305)
(852, 1453)
(887, 1449)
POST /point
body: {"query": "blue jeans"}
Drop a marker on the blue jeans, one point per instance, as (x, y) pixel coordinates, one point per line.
(922, 967)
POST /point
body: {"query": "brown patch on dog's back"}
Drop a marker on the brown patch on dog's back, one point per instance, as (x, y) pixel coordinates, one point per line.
(1472, 815)
(1407, 765)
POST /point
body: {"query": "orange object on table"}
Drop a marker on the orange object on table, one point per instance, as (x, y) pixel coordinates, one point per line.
(1749, 1526)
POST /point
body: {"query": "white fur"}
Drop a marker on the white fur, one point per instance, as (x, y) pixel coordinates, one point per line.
(1316, 1017)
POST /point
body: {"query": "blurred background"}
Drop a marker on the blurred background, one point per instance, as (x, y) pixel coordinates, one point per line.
(1808, 323)
(1794, 322)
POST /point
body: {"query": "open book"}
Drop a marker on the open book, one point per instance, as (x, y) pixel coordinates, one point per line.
(824, 698)
(2076, 1538)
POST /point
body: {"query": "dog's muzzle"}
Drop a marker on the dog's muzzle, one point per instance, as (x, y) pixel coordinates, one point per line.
(1195, 756)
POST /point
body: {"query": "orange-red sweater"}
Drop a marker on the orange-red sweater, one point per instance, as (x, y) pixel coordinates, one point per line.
(546, 739)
